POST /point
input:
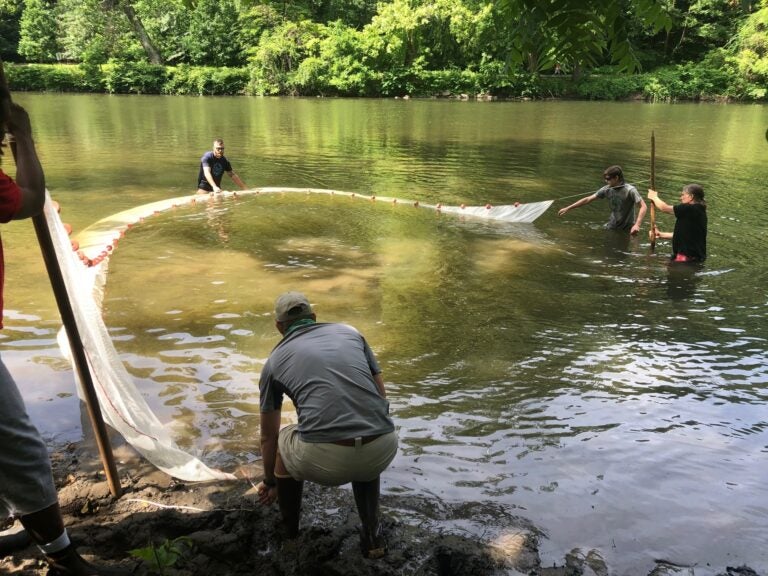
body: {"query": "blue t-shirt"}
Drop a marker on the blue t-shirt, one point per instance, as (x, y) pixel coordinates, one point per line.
(217, 165)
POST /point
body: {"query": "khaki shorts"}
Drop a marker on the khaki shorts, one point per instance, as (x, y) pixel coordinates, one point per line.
(331, 464)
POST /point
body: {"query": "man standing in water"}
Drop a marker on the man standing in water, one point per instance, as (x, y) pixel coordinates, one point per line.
(213, 164)
(27, 491)
(623, 198)
(344, 433)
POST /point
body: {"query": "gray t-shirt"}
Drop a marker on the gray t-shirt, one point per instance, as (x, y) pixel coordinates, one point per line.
(327, 371)
(622, 200)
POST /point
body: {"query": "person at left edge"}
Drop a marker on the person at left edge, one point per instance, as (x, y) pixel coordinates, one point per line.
(213, 164)
(27, 489)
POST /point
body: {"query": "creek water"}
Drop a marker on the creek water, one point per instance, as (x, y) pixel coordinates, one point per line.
(559, 370)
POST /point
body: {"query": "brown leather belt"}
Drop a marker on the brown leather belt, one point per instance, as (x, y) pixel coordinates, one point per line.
(351, 441)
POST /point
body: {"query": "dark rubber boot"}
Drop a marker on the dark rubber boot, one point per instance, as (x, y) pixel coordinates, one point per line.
(289, 493)
(372, 542)
(69, 563)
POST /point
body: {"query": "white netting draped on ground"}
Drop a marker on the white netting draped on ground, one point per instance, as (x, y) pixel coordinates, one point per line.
(122, 406)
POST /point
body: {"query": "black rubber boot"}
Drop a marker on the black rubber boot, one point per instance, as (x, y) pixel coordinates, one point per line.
(289, 493)
(13, 541)
(372, 543)
(69, 563)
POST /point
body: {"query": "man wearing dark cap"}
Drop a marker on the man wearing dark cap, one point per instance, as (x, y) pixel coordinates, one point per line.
(344, 433)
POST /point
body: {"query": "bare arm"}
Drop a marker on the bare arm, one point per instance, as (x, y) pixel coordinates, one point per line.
(29, 172)
(662, 235)
(653, 196)
(582, 202)
(209, 176)
(237, 180)
(640, 215)
(270, 429)
(380, 384)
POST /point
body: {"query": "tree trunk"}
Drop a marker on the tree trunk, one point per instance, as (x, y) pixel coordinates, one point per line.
(576, 72)
(152, 52)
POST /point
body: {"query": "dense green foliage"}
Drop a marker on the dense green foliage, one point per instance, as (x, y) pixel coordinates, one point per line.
(607, 49)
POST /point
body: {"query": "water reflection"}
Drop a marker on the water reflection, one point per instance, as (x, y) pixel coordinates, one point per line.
(682, 279)
(553, 369)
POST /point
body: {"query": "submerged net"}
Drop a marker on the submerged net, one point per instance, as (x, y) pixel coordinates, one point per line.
(123, 407)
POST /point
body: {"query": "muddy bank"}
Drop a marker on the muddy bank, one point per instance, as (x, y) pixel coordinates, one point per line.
(220, 529)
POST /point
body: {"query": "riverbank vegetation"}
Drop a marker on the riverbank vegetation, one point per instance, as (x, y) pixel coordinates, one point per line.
(657, 50)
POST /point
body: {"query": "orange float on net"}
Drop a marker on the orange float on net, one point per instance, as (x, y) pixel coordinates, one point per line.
(75, 245)
(68, 228)
(463, 206)
(488, 206)
(438, 206)
(517, 204)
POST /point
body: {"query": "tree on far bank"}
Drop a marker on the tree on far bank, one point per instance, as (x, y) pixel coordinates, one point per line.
(750, 48)
(38, 32)
(134, 20)
(213, 37)
(541, 33)
(10, 14)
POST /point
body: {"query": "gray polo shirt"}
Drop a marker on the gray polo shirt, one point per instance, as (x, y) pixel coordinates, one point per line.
(327, 371)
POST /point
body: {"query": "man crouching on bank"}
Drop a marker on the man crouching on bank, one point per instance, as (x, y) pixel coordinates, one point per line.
(344, 433)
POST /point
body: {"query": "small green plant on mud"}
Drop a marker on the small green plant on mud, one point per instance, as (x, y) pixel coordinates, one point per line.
(159, 558)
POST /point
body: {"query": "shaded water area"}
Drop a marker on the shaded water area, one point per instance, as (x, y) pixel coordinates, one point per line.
(562, 371)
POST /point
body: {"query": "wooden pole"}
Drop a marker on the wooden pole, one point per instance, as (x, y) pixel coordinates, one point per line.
(73, 334)
(652, 232)
(78, 353)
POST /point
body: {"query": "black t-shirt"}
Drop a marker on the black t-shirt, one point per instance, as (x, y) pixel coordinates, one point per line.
(690, 235)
